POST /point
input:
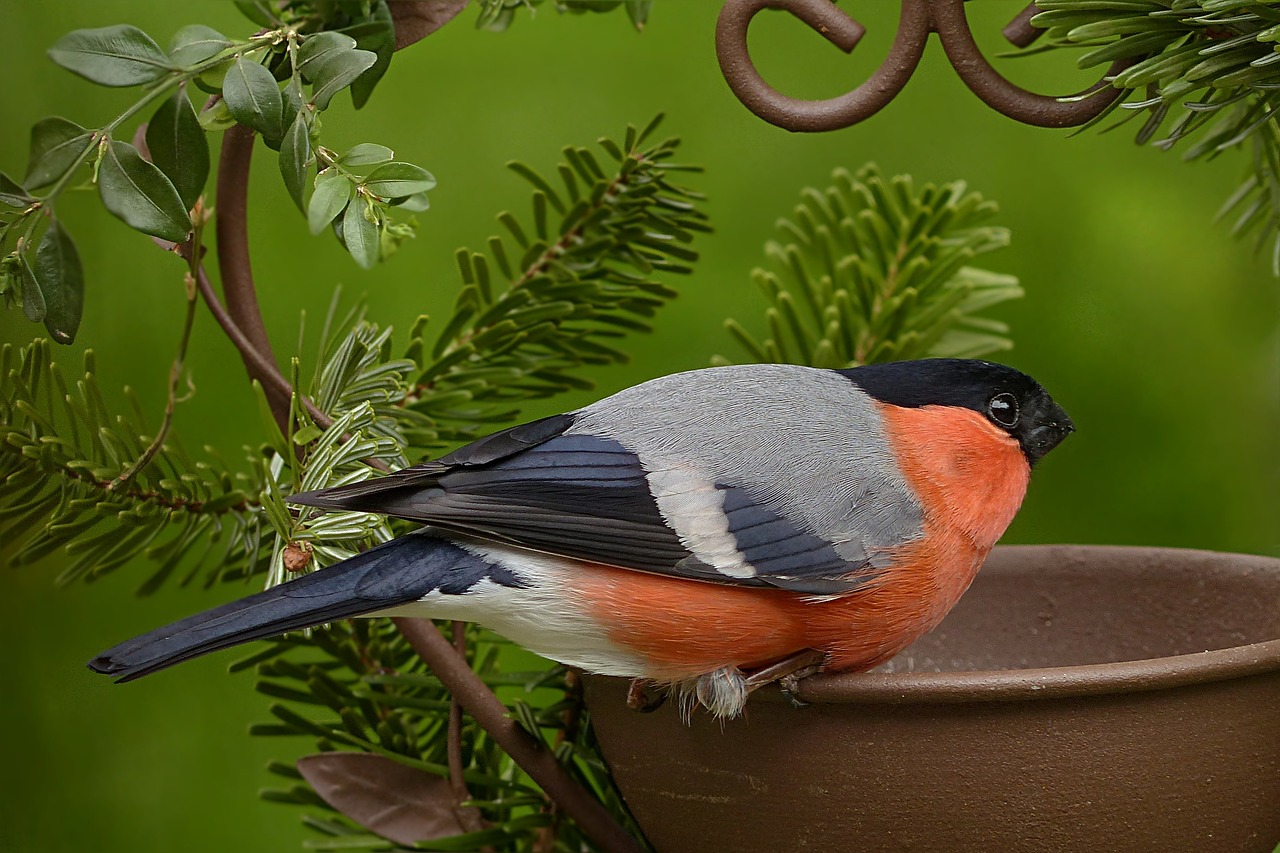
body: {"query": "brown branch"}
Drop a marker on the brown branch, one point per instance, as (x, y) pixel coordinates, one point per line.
(470, 818)
(531, 754)
(234, 267)
(242, 321)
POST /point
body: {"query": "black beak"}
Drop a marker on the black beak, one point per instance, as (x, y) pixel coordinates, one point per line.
(1050, 427)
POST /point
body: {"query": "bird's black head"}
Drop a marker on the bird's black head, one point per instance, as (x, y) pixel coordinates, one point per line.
(1008, 398)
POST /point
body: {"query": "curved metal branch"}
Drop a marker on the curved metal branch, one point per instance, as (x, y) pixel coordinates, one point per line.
(839, 29)
(232, 217)
(919, 18)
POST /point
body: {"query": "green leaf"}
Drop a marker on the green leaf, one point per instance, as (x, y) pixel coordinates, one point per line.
(367, 154)
(398, 179)
(140, 194)
(61, 280)
(13, 194)
(331, 62)
(330, 197)
(55, 144)
(32, 299)
(216, 116)
(196, 43)
(178, 146)
(417, 202)
(112, 56)
(360, 235)
(378, 35)
(253, 97)
(638, 12)
(258, 11)
(295, 153)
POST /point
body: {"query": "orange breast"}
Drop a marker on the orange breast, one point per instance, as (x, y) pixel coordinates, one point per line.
(970, 478)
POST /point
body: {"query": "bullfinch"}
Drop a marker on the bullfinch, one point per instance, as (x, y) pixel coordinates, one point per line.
(694, 531)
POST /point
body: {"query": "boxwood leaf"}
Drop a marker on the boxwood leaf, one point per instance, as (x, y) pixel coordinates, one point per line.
(140, 194)
(112, 56)
(331, 62)
(417, 202)
(253, 96)
(13, 194)
(399, 179)
(295, 152)
(55, 144)
(377, 34)
(339, 73)
(360, 235)
(331, 195)
(32, 300)
(178, 146)
(216, 116)
(60, 277)
(367, 154)
(258, 11)
(195, 43)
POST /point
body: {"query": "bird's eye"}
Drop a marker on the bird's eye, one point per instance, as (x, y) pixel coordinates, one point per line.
(1003, 409)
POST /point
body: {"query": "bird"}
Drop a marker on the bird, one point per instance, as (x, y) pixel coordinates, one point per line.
(704, 532)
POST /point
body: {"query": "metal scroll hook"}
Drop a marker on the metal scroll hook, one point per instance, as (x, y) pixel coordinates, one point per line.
(836, 27)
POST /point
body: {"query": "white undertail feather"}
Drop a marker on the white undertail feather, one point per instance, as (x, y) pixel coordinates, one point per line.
(545, 616)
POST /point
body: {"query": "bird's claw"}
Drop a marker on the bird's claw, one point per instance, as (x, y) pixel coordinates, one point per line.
(644, 696)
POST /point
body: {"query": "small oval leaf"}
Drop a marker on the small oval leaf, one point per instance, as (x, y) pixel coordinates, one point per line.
(253, 96)
(417, 202)
(32, 299)
(13, 194)
(178, 146)
(399, 179)
(61, 280)
(55, 144)
(360, 235)
(295, 152)
(196, 43)
(330, 197)
(331, 62)
(140, 194)
(367, 154)
(112, 56)
(216, 116)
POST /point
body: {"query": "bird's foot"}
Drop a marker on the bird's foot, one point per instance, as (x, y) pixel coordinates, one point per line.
(788, 673)
(645, 696)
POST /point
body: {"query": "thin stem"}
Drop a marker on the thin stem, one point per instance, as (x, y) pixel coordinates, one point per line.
(179, 360)
(527, 751)
(457, 780)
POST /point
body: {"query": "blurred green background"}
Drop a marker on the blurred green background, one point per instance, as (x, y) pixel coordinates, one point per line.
(1144, 319)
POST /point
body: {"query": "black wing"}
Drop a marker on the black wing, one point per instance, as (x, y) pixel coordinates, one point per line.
(587, 497)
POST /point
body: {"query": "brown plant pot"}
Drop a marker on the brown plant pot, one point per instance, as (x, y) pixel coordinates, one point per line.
(1077, 699)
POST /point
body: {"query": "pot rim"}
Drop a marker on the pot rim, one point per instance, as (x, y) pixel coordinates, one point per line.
(1121, 677)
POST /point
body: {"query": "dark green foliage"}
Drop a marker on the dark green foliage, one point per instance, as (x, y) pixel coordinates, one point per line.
(153, 191)
(358, 686)
(62, 455)
(878, 270)
(1203, 68)
(559, 291)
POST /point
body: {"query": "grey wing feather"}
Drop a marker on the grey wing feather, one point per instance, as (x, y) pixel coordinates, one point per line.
(721, 475)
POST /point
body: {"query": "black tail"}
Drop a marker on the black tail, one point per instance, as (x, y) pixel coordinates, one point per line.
(393, 573)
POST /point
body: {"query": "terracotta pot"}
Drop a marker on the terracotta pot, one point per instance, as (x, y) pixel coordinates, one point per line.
(1077, 699)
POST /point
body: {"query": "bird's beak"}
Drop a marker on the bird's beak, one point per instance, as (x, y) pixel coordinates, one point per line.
(1052, 426)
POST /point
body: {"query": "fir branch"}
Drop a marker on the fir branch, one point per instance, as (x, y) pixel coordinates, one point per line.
(1203, 68)
(62, 458)
(583, 280)
(878, 270)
